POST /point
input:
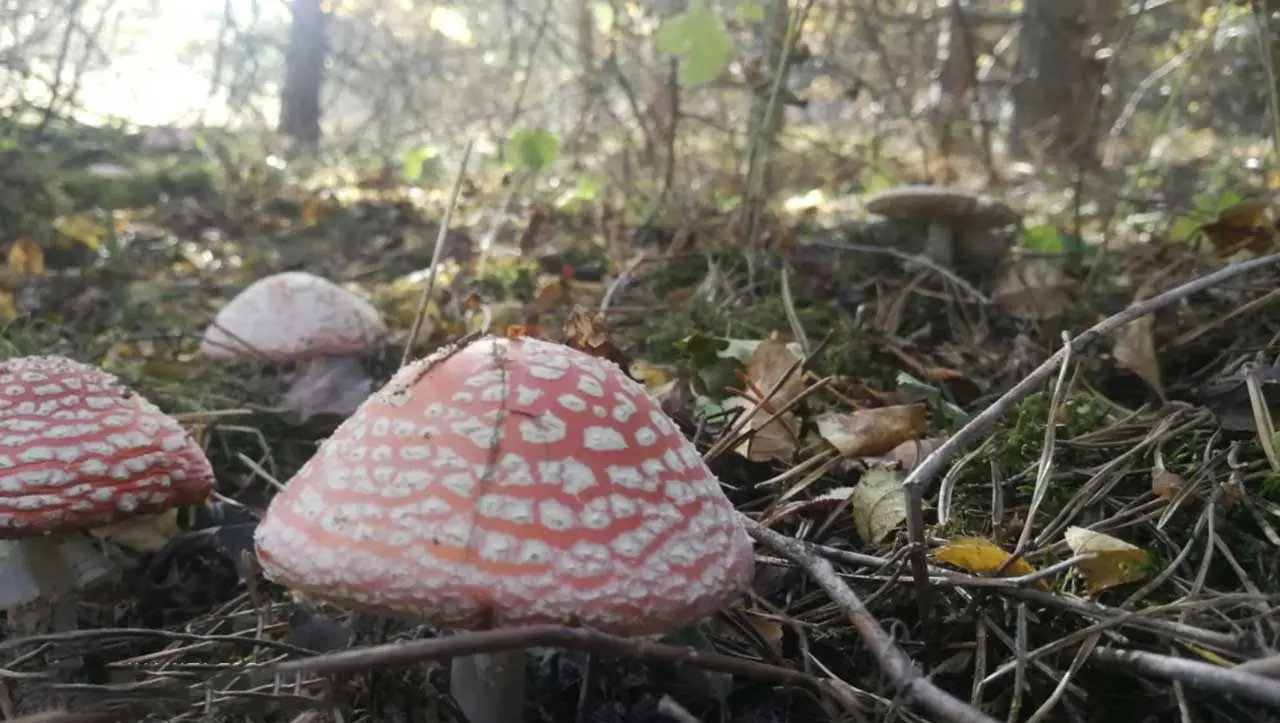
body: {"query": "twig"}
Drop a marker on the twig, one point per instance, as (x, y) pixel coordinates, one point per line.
(935, 464)
(436, 253)
(918, 259)
(1200, 675)
(906, 678)
(493, 641)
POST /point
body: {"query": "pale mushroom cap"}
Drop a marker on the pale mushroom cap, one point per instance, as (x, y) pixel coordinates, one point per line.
(511, 483)
(941, 203)
(293, 316)
(78, 450)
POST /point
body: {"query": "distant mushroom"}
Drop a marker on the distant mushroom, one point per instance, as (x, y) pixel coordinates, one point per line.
(960, 227)
(78, 451)
(296, 316)
(507, 483)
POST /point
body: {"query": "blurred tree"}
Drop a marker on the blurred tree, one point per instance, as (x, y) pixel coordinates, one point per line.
(304, 73)
(1060, 78)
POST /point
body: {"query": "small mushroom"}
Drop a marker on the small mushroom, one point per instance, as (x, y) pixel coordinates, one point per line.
(297, 316)
(79, 451)
(960, 226)
(507, 483)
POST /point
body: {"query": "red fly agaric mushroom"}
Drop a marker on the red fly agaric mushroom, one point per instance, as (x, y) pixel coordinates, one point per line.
(297, 316)
(510, 482)
(79, 450)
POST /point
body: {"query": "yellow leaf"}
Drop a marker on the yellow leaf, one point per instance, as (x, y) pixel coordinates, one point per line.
(981, 556)
(83, 229)
(651, 375)
(8, 309)
(26, 257)
(146, 533)
(1115, 561)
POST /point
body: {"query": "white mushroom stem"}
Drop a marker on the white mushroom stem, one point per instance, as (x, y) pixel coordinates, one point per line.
(50, 568)
(939, 245)
(489, 688)
(329, 385)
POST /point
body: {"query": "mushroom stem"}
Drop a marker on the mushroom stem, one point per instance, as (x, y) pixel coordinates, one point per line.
(939, 245)
(52, 568)
(489, 688)
(330, 385)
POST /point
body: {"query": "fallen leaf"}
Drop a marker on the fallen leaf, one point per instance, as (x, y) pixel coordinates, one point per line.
(145, 533)
(910, 453)
(879, 504)
(654, 377)
(26, 257)
(1115, 561)
(773, 440)
(981, 556)
(1033, 289)
(1135, 350)
(8, 307)
(768, 628)
(1165, 484)
(585, 330)
(871, 432)
(768, 364)
(1245, 226)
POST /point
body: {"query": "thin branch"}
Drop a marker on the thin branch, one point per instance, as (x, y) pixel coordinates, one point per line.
(915, 689)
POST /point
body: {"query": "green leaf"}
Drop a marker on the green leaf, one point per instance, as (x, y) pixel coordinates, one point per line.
(1184, 229)
(533, 149)
(698, 39)
(1045, 238)
(413, 162)
(751, 12)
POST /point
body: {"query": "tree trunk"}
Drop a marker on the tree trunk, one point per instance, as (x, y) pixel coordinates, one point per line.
(1060, 79)
(304, 74)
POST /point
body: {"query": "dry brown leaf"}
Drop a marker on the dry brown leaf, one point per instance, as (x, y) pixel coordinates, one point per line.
(1246, 225)
(1135, 350)
(1115, 561)
(767, 364)
(910, 453)
(773, 440)
(870, 432)
(981, 556)
(879, 504)
(769, 629)
(1165, 484)
(1034, 289)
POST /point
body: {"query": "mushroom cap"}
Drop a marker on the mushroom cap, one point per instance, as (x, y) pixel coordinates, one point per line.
(510, 482)
(942, 203)
(291, 316)
(78, 450)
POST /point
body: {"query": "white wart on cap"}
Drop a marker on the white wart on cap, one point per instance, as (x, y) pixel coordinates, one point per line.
(293, 316)
(512, 482)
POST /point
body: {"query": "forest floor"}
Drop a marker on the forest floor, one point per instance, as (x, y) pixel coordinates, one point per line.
(1132, 478)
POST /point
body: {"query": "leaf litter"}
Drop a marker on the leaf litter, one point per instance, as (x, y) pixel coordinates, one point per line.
(825, 464)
